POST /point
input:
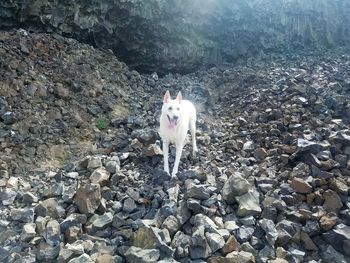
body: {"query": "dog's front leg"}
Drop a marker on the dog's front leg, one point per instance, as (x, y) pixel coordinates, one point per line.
(165, 155)
(179, 148)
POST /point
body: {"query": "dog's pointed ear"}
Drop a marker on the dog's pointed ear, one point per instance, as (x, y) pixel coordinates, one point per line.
(179, 97)
(166, 97)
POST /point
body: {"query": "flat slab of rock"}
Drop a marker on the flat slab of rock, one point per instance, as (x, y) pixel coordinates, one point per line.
(301, 186)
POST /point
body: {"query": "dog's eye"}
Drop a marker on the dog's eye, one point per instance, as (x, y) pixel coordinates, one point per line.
(178, 108)
(170, 108)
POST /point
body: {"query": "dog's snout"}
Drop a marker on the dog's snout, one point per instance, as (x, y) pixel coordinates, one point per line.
(176, 117)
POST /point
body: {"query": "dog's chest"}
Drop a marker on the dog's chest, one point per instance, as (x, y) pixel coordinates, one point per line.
(174, 135)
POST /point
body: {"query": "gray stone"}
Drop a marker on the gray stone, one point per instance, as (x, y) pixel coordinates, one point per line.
(244, 233)
(203, 220)
(200, 192)
(172, 224)
(300, 170)
(194, 205)
(12, 183)
(199, 252)
(307, 242)
(267, 253)
(160, 177)
(337, 236)
(313, 147)
(260, 154)
(300, 255)
(346, 247)
(105, 258)
(52, 233)
(235, 186)
(73, 175)
(231, 225)
(329, 254)
(94, 163)
(153, 150)
(49, 207)
(285, 231)
(135, 195)
(129, 205)
(100, 176)
(8, 117)
(248, 146)
(271, 233)
(100, 222)
(60, 91)
(249, 204)
(332, 201)
(84, 258)
(53, 190)
(69, 251)
(198, 237)
(152, 237)
(7, 196)
(74, 219)
(29, 198)
(240, 257)
(312, 227)
(113, 166)
(28, 232)
(183, 213)
(215, 241)
(73, 233)
(47, 252)
(342, 137)
(4, 253)
(181, 242)
(341, 159)
(173, 193)
(248, 220)
(25, 215)
(136, 254)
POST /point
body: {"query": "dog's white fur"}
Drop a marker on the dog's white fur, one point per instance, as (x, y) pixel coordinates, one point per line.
(177, 116)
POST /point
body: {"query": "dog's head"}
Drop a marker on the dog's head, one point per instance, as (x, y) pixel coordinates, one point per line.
(172, 108)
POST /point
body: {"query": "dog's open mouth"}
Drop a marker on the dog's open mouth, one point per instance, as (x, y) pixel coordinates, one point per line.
(172, 121)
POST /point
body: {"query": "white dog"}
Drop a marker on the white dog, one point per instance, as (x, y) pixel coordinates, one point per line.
(177, 116)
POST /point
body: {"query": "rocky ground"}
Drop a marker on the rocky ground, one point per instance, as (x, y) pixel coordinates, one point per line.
(81, 167)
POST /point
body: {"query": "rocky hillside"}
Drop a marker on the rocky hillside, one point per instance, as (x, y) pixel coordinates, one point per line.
(81, 167)
(180, 36)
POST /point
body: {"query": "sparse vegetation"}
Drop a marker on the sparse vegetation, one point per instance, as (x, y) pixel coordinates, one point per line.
(101, 123)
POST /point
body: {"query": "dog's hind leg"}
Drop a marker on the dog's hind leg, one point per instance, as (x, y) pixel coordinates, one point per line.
(165, 155)
(193, 134)
(179, 148)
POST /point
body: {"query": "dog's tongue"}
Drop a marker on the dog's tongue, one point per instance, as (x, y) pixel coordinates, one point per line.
(172, 123)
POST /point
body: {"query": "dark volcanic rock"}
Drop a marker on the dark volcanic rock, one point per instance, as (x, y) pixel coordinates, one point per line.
(252, 194)
(180, 36)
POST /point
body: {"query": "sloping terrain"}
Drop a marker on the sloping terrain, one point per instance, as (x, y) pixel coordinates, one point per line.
(81, 167)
